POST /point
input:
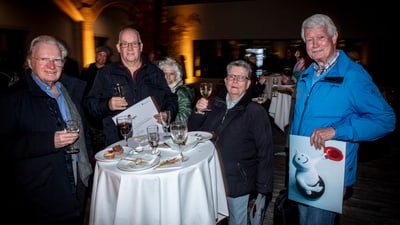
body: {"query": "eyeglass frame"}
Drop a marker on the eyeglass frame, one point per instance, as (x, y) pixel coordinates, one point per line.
(135, 44)
(47, 60)
(233, 77)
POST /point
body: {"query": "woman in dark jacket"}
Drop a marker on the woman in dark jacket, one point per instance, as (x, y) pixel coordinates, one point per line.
(243, 137)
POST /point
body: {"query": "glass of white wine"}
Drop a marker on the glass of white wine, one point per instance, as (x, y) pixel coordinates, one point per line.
(72, 126)
(153, 138)
(179, 134)
(206, 89)
(262, 98)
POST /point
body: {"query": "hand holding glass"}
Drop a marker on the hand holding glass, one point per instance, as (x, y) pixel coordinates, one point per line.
(179, 134)
(124, 124)
(153, 138)
(72, 126)
(206, 90)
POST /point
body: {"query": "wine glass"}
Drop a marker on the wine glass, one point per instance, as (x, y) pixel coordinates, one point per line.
(262, 98)
(153, 138)
(179, 134)
(165, 118)
(275, 81)
(124, 124)
(119, 89)
(141, 140)
(72, 126)
(206, 90)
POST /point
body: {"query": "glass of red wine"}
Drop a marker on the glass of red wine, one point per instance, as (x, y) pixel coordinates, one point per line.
(124, 124)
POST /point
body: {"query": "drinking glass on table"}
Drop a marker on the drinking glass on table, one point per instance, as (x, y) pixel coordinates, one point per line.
(153, 138)
(262, 98)
(206, 90)
(72, 126)
(124, 124)
(275, 82)
(179, 134)
(141, 140)
(165, 117)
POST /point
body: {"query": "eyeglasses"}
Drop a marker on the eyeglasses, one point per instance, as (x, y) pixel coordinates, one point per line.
(232, 77)
(45, 61)
(135, 44)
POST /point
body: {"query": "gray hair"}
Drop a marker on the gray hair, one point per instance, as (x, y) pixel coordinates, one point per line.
(318, 20)
(171, 63)
(168, 62)
(49, 40)
(129, 29)
(240, 63)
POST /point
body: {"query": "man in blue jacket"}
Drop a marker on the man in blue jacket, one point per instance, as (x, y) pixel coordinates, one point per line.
(336, 100)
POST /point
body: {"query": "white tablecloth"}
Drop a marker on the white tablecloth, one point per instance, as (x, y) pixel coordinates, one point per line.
(192, 194)
(279, 109)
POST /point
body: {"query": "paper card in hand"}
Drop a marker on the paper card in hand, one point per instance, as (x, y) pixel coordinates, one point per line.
(142, 114)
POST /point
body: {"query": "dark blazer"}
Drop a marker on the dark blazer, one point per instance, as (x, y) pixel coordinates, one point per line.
(150, 81)
(244, 140)
(36, 173)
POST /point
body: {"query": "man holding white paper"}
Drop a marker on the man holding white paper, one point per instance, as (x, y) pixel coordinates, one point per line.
(336, 99)
(122, 84)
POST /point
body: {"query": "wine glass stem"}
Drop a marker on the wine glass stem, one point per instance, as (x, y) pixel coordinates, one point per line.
(180, 152)
(126, 141)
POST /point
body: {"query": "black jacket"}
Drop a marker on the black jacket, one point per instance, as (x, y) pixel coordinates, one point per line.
(36, 180)
(244, 140)
(150, 81)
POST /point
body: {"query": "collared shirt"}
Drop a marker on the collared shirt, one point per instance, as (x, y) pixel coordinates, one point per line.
(321, 71)
(229, 104)
(59, 98)
(327, 66)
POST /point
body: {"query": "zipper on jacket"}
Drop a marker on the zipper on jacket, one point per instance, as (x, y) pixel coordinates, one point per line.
(326, 80)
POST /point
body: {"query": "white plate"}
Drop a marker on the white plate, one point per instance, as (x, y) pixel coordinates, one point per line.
(191, 142)
(100, 155)
(287, 85)
(146, 161)
(201, 135)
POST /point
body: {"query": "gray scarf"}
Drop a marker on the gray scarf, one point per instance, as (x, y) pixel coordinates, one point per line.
(84, 166)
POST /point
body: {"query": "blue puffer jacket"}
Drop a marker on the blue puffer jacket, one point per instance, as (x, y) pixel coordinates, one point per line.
(245, 143)
(150, 81)
(346, 99)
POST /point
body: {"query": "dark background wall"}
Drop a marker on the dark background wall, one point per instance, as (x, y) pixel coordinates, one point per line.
(372, 24)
